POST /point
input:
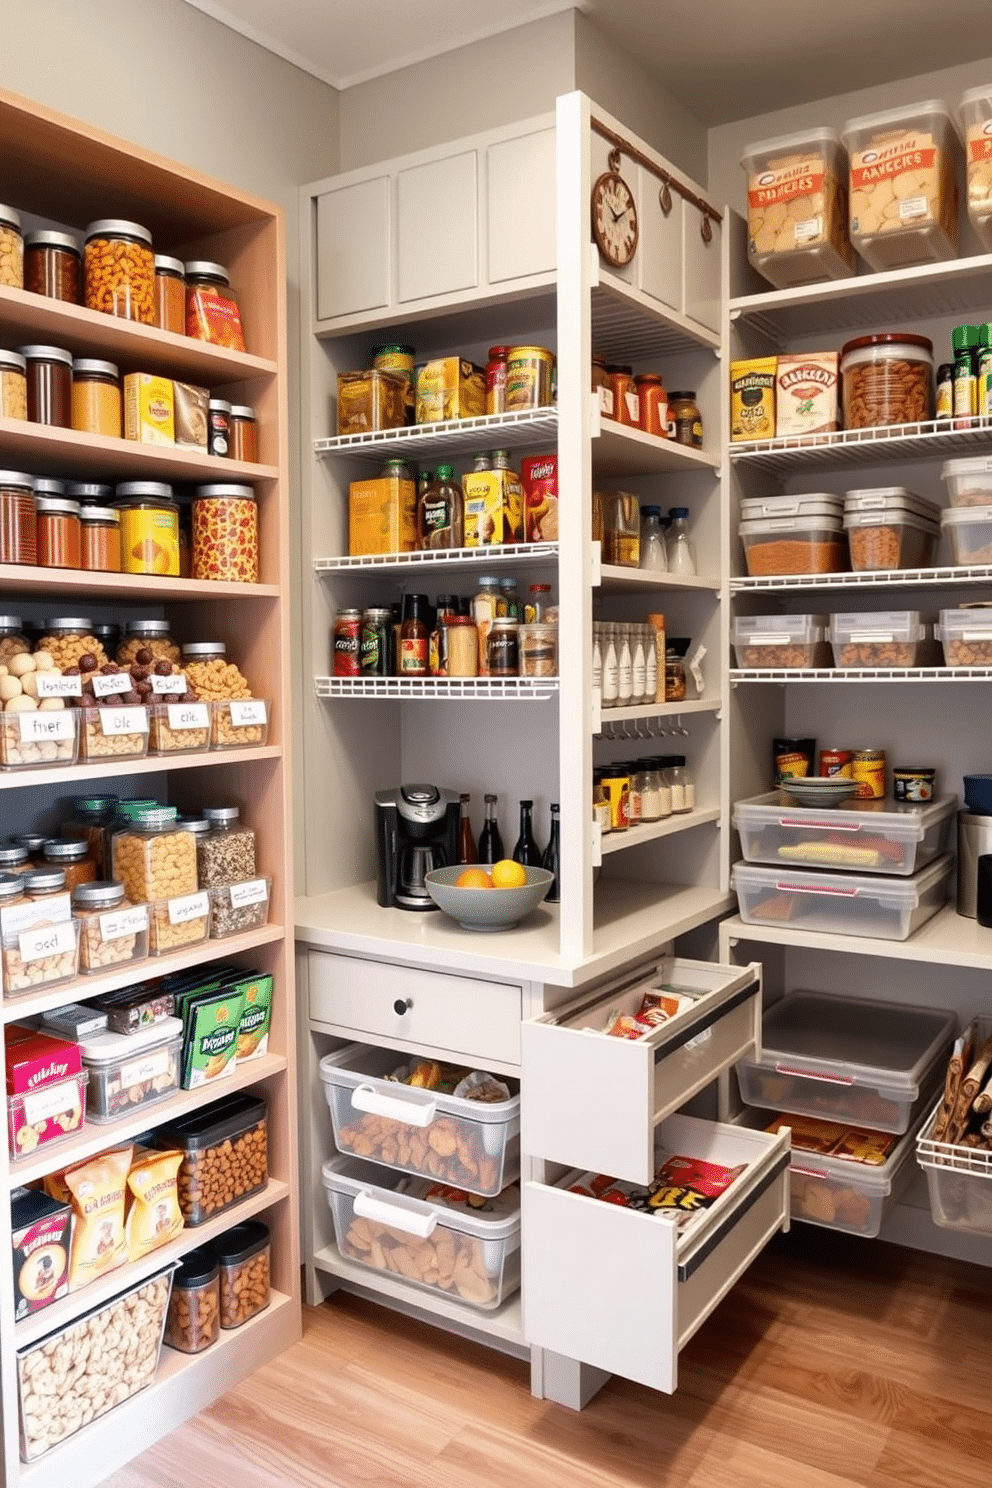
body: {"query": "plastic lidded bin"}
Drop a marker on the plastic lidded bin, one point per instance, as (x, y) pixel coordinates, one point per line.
(46, 1116)
(225, 1157)
(193, 1323)
(886, 638)
(975, 112)
(888, 539)
(794, 545)
(243, 1255)
(781, 641)
(891, 499)
(847, 1059)
(808, 504)
(876, 908)
(866, 836)
(905, 164)
(130, 1070)
(968, 481)
(969, 530)
(797, 229)
(966, 636)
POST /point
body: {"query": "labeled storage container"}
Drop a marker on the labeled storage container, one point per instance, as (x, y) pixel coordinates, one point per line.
(112, 930)
(239, 724)
(113, 732)
(840, 904)
(867, 837)
(888, 638)
(237, 908)
(864, 1063)
(370, 401)
(131, 1070)
(781, 641)
(193, 1321)
(178, 728)
(814, 504)
(30, 741)
(243, 1260)
(976, 118)
(969, 531)
(426, 1234)
(46, 1116)
(470, 1144)
(797, 208)
(794, 545)
(225, 1155)
(43, 955)
(176, 923)
(889, 539)
(966, 636)
(905, 164)
(969, 481)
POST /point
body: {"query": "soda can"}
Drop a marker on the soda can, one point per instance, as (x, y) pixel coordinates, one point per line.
(375, 642)
(347, 643)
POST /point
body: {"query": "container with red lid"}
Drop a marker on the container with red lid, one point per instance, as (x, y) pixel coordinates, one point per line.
(887, 379)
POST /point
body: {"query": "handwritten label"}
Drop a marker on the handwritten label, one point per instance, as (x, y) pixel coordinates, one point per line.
(22, 916)
(124, 922)
(189, 907)
(42, 1105)
(255, 891)
(244, 714)
(165, 685)
(36, 728)
(51, 940)
(108, 686)
(139, 1070)
(188, 716)
(50, 684)
(115, 721)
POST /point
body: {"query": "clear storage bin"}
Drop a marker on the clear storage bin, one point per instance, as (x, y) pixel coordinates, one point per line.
(841, 904)
(966, 636)
(891, 498)
(113, 733)
(976, 119)
(425, 1234)
(781, 641)
(193, 1322)
(888, 638)
(867, 837)
(890, 539)
(46, 1116)
(470, 1144)
(130, 1070)
(243, 1255)
(959, 1179)
(797, 208)
(240, 725)
(860, 1062)
(174, 924)
(814, 504)
(178, 728)
(41, 956)
(794, 545)
(969, 531)
(225, 1154)
(238, 908)
(968, 482)
(112, 930)
(904, 185)
(38, 740)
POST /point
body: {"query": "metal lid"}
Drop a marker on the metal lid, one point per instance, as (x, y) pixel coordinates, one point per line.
(33, 841)
(156, 818)
(195, 824)
(56, 504)
(151, 628)
(10, 622)
(13, 360)
(17, 478)
(70, 623)
(219, 403)
(45, 486)
(504, 622)
(11, 885)
(210, 493)
(13, 853)
(166, 265)
(221, 813)
(118, 227)
(204, 267)
(66, 849)
(144, 488)
(103, 893)
(9, 217)
(90, 491)
(46, 239)
(44, 881)
(241, 410)
(205, 648)
(889, 338)
(46, 354)
(99, 514)
(409, 350)
(90, 367)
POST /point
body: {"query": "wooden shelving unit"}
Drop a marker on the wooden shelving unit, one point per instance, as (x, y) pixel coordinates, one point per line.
(72, 174)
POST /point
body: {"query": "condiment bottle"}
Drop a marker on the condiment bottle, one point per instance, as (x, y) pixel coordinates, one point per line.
(496, 379)
(490, 841)
(685, 423)
(526, 850)
(536, 606)
(600, 805)
(466, 843)
(653, 555)
(486, 606)
(437, 650)
(414, 636)
(626, 408)
(508, 588)
(552, 855)
(652, 404)
(964, 340)
(680, 555)
(441, 513)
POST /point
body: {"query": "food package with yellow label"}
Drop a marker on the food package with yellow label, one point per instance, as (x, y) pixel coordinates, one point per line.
(493, 507)
(752, 398)
(149, 409)
(382, 516)
(450, 388)
(98, 1190)
(153, 1213)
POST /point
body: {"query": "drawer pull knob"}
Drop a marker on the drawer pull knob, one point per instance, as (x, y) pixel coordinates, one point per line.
(402, 1004)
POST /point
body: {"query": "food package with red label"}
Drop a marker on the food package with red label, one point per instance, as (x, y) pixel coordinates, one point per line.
(681, 1187)
(655, 1008)
(539, 476)
(46, 1090)
(40, 1239)
(834, 1139)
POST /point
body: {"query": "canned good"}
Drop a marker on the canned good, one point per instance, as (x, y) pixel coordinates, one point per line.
(868, 769)
(347, 644)
(149, 528)
(398, 359)
(836, 762)
(914, 782)
(375, 643)
(616, 789)
(528, 377)
(793, 757)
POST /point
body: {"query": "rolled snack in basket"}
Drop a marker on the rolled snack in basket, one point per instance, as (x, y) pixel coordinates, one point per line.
(970, 1086)
(960, 1056)
(983, 1100)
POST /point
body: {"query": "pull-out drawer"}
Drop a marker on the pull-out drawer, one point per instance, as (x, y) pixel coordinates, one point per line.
(595, 1101)
(406, 1005)
(635, 1324)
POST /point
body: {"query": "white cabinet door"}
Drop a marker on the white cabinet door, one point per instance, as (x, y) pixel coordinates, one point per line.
(659, 250)
(349, 282)
(701, 262)
(521, 206)
(437, 247)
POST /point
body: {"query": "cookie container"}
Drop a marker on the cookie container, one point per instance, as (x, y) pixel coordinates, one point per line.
(976, 120)
(904, 169)
(867, 836)
(969, 532)
(781, 641)
(47, 1116)
(471, 1144)
(892, 538)
(877, 908)
(243, 1255)
(966, 636)
(863, 1063)
(427, 1240)
(131, 1070)
(797, 208)
(193, 1321)
(968, 482)
(885, 638)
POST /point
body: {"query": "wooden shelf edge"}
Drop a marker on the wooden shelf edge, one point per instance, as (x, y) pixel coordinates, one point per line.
(123, 458)
(25, 579)
(151, 764)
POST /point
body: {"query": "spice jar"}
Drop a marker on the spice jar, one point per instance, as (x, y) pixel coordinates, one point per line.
(503, 647)
(538, 650)
(602, 388)
(49, 379)
(626, 409)
(18, 539)
(44, 883)
(675, 678)
(149, 528)
(944, 403)
(600, 805)
(33, 844)
(244, 433)
(96, 398)
(682, 788)
(53, 266)
(101, 539)
(170, 295)
(153, 636)
(11, 249)
(652, 404)
(226, 853)
(496, 379)
(91, 819)
(225, 534)
(684, 420)
(59, 533)
(13, 385)
(212, 312)
(119, 270)
(461, 647)
(74, 858)
(89, 493)
(219, 427)
(193, 1320)
(15, 859)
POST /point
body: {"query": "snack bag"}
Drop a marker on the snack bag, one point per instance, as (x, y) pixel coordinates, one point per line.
(154, 1216)
(97, 1188)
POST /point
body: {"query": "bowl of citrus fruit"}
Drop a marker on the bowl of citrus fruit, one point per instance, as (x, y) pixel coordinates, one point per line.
(484, 897)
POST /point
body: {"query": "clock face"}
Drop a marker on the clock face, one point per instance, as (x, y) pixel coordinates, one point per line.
(614, 219)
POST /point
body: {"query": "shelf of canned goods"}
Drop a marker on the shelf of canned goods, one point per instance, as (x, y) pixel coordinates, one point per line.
(516, 430)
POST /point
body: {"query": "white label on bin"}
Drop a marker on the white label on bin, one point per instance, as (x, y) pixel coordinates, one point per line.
(255, 891)
(165, 685)
(243, 714)
(35, 728)
(22, 916)
(50, 684)
(701, 1038)
(188, 716)
(124, 922)
(139, 1070)
(760, 638)
(49, 940)
(189, 907)
(107, 686)
(811, 227)
(115, 721)
(975, 635)
(911, 207)
(42, 1105)
(873, 637)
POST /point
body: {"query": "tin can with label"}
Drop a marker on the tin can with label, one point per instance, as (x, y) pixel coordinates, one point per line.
(836, 762)
(868, 769)
(149, 528)
(528, 377)
(375, 642)
(616, 789)
(347, 643)
(914, 782)
(793, 757)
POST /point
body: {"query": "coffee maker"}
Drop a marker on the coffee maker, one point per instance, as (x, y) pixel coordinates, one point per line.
(416, 830)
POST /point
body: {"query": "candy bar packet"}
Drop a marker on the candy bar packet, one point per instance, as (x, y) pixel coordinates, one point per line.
(655, 1008)
(682, 1186)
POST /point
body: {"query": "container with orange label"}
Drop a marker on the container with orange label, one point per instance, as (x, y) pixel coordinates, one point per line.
(212, 312)
(868, 769)
(149, 528)
(905, 164)
(225, 533)
(797, 208)
(528, 377)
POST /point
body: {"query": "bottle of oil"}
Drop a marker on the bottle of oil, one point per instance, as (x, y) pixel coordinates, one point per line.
(441, 512)
(490, 841)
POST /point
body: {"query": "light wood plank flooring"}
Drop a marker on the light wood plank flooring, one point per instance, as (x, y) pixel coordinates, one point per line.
(835, 1363)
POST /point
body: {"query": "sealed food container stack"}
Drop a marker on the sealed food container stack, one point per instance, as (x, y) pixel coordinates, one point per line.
(845, 903)
(797, 208)
(793, 534)
(969, 531)
(866, 836)
(966, 636)
(889, 527)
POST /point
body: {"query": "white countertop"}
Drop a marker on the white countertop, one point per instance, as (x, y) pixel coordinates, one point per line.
(632, 918)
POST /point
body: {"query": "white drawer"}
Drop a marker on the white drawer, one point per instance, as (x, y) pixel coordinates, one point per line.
(595, 1102)
(407, 1005)
(635, 1324)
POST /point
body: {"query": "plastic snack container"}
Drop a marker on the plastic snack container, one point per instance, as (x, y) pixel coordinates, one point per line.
(872, 907)
(867, 837)
(781, 641)
(976, 120)
(797, 208)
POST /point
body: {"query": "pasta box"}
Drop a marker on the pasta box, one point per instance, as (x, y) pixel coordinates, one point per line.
(40, 1240)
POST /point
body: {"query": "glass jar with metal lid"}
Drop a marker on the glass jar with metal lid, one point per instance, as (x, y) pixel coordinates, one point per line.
(53, 266)
(33, 844)
(685, 422)
(244, 433)
(59, 533)
(101, 539)
(155, 857)
(49, 378)
(11, 249)
(15, 858)
(502, 647)
(90, 493)
(147, 635)
(226, 854)
(108, 634)
(108, 942)
(44, 883)
(225, 534)
(96, 398)
(69, 638)
(119, 269)
(74, 858)
(13, 385)
(12, 638)
(212, 312)
(11, 890)
(89, 823)
(170, 295)
(18, 526)
(149, 528)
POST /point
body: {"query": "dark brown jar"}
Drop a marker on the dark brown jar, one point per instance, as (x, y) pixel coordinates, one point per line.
(18, 540)
(244, 433)
(49, 375)
(53, 266)
(219, 427)
(503, 648)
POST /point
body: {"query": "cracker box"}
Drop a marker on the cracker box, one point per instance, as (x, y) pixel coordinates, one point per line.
(752, 398)
(149, 409)
(40, 1239)
(493, 507)
(212, 1022)
(256, 1018)
(382, 516)
(539, 474)
(450, 388)
(806, 393)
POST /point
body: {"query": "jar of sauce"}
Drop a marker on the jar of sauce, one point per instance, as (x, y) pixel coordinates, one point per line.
(503, 648)
(244, 433)
(462, 647)
(49, 376)
(626, 406)
(170, 295)
(414, 636)
(496, 379)
(13, 385)
(96, 398)
(685, 419)
(149, 528)
(18, 533)
(59, 533)
(602, 388)
(53, 266)
(101, 539)
(119, 270)
(652, 404)
(212, 312)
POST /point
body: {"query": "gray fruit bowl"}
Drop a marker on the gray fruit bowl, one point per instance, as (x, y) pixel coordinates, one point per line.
(487, 909)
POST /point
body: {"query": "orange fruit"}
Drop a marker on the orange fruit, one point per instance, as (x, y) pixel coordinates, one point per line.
(509, 875)
(473, 878)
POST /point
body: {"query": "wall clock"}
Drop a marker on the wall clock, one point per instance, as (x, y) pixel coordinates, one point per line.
(614, 216)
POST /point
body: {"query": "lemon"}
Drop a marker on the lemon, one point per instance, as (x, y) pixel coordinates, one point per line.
(509, 875)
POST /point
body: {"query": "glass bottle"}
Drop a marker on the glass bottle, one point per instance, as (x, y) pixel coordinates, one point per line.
(490, 841)
(414, 636)
(441, 512)
(683, 791)
(681, 559)
(536, 607)
(552, 854)
(466, 842)
(437, 647)
(526, 850)
(508, 589)
(621, 529)
(611, 670)
(625, 668)
(650, 664)
(487, 606)
(596, 677)
(638, 664)
(653, 555)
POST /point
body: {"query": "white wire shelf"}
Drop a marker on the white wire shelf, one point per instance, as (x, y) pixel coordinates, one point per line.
(629, 326)
(896, 578)
(527, 555)
(890, 442)
(444, 689)
(610, 723)
(861, 674)
(522, 429)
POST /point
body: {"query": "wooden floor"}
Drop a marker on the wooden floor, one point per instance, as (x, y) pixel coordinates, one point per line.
(833, 1363)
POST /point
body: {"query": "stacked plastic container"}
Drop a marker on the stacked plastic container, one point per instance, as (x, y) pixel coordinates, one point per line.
(793, 534)
(889, 527)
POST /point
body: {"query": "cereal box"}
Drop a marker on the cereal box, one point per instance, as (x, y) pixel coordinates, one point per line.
(450, 388)
(806, 393)
(493, 507)
(149, 409)
(752, 398)
(382, 516)
(539, 474)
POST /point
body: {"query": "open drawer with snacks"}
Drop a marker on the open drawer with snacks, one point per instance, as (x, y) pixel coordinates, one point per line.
(720, 1194)
(876, 836)
(455, 1125)
(600, 1073)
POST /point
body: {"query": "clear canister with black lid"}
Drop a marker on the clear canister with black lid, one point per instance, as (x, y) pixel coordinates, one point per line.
(18, 525)
(149, 528)
(49, 378)
(53, 266)
(11, 249)
(13, 385)
(170, 294)
(193, 1320)
(225, 533)
(243, 1255)
(119, 269)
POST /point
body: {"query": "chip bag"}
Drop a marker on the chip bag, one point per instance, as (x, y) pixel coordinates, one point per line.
(97, 1188)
